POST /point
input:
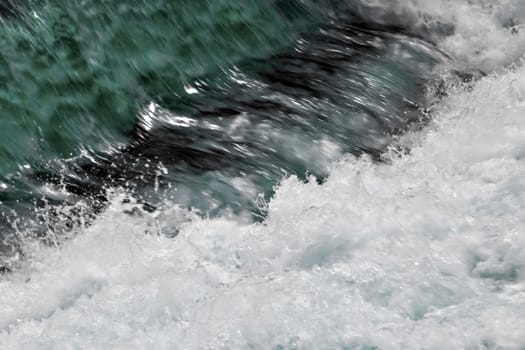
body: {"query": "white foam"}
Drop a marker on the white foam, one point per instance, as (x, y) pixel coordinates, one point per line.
(427, 251)
(488, 35)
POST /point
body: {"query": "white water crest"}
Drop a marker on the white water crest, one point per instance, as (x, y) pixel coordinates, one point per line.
(426, 250)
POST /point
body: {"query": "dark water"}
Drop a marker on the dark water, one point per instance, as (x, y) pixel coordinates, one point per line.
(207, 104)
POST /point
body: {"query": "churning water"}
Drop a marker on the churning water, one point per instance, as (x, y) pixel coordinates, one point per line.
(268, 174)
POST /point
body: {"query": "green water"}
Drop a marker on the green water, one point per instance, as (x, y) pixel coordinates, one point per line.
(73, 74)
(203, 104)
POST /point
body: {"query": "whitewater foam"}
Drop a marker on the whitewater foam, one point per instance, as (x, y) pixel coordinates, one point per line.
(481, 34)
(426, 250)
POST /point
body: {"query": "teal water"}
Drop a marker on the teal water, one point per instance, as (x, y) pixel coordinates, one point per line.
(75, 73)
(207, 104)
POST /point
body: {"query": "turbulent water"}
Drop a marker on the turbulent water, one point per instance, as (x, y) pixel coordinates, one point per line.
(208, 126)
(268, 174)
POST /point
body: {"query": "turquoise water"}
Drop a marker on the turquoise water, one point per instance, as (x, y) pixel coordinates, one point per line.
(75, 73)
(207, 104)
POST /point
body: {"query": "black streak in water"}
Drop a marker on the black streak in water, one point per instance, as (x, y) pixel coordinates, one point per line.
(299, 73)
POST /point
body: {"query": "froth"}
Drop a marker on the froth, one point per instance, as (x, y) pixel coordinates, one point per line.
(479, 34)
